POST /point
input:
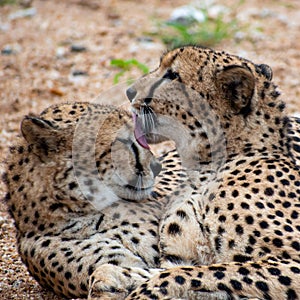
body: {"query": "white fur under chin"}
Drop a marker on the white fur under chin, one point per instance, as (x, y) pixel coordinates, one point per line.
(105, 196)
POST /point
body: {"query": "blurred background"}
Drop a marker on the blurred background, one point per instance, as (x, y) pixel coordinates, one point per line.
(73, 50)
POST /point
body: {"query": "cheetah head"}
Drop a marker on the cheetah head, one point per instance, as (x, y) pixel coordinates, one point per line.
(94, 157)
(207, 102)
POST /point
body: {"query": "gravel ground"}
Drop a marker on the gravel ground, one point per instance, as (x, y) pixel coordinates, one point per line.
(61, 51)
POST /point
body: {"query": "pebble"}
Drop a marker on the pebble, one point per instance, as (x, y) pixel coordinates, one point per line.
(78, 77)
(7, 50)
(24, 13)
(136, 47)
(78, 48)
(10, 49)
(145, 39)
(60, 52)
(4, 27)
(198, 12)
(79, 73)
(186, 13)
(144, 42)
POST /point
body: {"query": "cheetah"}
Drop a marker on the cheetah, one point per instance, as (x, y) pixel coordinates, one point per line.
(87, 227)
(234, 230)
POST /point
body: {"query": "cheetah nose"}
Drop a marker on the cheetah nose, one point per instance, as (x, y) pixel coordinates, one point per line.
(131, 93)
(156, 168)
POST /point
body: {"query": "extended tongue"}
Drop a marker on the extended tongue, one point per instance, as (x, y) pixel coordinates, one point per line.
(138, 132)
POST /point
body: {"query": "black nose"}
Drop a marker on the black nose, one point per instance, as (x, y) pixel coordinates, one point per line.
(156, 168)
(131, 93)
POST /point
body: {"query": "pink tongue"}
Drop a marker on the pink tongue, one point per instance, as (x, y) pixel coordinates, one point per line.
(138, 132)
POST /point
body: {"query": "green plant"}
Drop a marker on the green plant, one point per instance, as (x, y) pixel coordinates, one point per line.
(126, 66)
(207, 33)
(7, 2)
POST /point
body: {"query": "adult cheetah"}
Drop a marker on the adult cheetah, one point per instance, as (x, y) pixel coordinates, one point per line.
(234, 232)
(80, 190)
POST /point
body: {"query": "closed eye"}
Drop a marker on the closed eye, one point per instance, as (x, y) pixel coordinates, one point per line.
(171, 75)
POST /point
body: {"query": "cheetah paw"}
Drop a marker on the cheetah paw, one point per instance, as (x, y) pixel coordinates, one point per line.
(110, 282)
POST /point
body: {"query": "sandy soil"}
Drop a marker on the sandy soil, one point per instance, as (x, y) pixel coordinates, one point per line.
(39, 68)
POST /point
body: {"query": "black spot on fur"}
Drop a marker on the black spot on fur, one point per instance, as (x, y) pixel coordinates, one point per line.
(174, 229)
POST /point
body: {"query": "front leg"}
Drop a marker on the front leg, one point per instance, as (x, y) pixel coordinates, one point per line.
(182, 241)
(110, 282)
(271, 278)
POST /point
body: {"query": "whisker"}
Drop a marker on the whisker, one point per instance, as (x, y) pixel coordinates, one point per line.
(144, 116)
(139, 183)
(148, 119)
(152, 119)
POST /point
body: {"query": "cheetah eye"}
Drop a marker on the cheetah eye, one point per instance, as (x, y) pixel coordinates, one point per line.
(171, 75)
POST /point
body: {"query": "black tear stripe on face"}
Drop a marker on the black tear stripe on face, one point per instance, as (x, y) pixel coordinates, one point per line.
(133, 147)
(138, 164)
(168, 75)
(156, 85)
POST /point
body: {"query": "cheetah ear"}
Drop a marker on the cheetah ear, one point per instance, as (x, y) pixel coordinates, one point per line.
(42, 137)
(236, 84)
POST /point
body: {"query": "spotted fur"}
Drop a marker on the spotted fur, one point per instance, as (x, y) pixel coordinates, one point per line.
(70, 235)
(235, 232)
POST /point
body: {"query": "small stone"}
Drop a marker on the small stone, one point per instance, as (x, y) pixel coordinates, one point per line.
(78, 48)
(113, 16)
(90, 4)
(60, 52)
(56, 91)
(78, 77)
(24, 13)
(145, 39)
(186, 14)
(7, 50)
(4, 27)
(79, 73)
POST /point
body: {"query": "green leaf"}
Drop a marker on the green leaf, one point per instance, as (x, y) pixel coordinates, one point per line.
(126, 66)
